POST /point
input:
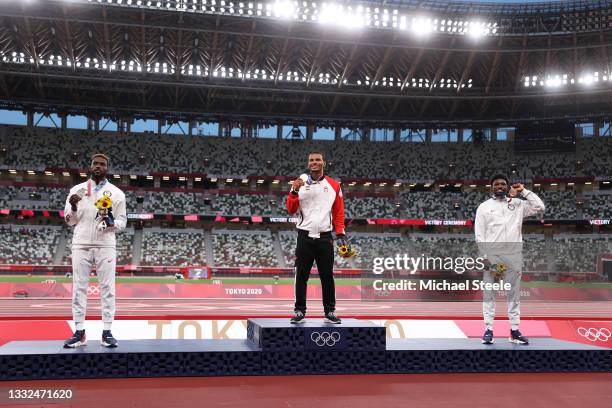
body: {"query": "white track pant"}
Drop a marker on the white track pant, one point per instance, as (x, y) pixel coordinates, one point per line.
(514, 265)
(105, 260)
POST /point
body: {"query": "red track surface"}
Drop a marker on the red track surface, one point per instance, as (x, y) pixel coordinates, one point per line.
(50, 308)
(541, 390)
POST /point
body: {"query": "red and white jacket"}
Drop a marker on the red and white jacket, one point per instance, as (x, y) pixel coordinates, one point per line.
(320, 206)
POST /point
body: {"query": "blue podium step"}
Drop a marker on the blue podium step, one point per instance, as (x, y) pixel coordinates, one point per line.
(316, 335)
(275, 347)
(29, 360)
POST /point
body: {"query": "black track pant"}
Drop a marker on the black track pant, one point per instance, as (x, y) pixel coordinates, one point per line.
(308, 251)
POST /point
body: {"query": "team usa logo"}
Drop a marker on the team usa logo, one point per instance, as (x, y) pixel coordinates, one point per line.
(592, 334)
(325, 338)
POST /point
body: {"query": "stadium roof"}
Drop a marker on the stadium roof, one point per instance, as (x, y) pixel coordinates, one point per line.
(406, 63)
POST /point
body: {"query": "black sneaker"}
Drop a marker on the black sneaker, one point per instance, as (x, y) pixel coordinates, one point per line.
(108, 340)
(517, 338)
(78, 339)
(487, 338)
(298, 318)
(330, 317)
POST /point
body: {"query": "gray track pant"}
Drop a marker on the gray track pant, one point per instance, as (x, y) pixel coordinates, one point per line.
(514, 265)
(83, 260)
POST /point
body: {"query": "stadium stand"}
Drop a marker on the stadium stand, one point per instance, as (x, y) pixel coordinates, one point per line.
(173, 202)
(370, 246)
(28, 244)
(33, 198)
(40, 148)
(241, 204)
(430, 205)
(579, 252)
(173, 247)
(559, 204)
(370, 207)
(598, 206)
(31, 244)
(534, 253)
(248, 248)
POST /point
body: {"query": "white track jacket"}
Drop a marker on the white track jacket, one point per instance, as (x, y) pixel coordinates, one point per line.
(501, 222)
(84, 219)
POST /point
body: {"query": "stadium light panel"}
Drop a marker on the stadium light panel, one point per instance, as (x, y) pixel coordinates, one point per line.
(477, 29)
(283, 9)
(421, 26)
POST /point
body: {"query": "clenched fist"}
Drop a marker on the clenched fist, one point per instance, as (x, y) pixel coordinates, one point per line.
(516, 189)
(297, 183)
(74, 200)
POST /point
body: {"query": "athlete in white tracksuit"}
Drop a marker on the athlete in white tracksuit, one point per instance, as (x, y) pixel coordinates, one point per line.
(93, 245)
(499, 237)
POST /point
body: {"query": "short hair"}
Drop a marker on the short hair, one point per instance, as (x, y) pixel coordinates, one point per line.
(499, 176)
(317, 152)
(102, 155)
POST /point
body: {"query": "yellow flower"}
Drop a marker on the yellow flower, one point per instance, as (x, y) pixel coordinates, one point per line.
(499, 271)
(104, 203)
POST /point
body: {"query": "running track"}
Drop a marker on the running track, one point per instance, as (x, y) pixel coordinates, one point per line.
(53, 308)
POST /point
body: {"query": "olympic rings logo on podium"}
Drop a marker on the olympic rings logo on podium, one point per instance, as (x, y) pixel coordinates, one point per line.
(322, 339)
(93, 290)
(592, 334)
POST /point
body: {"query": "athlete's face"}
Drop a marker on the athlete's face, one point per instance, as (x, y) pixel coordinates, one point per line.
(99, 167)
(315, 162)
(499, 187)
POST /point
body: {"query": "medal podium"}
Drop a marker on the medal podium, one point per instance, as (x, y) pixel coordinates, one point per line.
(315, 347)
(276, 347)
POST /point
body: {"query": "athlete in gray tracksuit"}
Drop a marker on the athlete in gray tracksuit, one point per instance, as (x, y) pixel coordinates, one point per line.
(499, 237)
(93, 245)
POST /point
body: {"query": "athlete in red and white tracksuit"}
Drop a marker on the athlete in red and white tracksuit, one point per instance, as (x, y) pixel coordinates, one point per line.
(319, 204)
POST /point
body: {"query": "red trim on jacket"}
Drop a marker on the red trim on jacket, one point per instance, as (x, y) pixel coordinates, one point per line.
(337, 207)
(293, 203)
